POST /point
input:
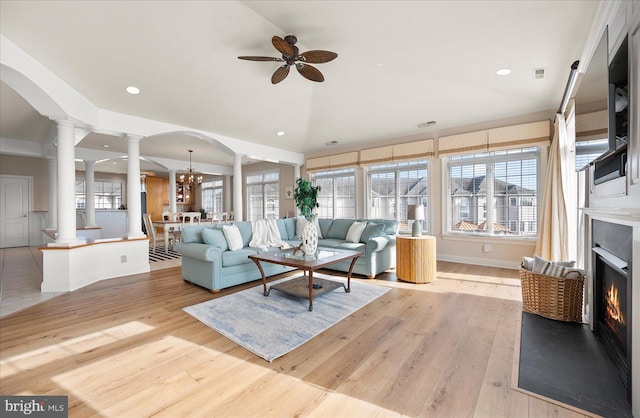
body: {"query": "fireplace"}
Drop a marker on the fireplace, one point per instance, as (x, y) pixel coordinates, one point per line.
(613, 294)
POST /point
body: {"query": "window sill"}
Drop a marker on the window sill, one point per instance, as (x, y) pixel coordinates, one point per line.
(487, 238)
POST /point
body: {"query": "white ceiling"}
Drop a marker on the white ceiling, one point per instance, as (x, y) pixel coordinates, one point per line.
(399, 63)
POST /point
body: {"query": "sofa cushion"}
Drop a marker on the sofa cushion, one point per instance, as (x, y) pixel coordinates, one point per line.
(246, 231)
(355, 231)
(390, 225)
(233, 237)
(329, 243)
(192, 234)
(234, 258)
(353, 246)
(215, 237)
(282, 229)
(325, 224)
(339, 228)
(290, 225)
(372, 230)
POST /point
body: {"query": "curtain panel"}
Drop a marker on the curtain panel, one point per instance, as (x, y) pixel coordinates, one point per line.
(553, 234)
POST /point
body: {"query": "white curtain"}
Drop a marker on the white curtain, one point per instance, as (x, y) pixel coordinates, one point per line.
(557, 220)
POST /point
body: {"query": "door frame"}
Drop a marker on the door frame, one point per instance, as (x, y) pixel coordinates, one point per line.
(29, 200)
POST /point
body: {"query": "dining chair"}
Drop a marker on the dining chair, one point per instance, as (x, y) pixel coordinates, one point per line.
(151, 231)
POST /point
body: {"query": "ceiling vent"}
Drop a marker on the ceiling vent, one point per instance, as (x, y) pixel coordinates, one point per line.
(427, 124)
(539, 73)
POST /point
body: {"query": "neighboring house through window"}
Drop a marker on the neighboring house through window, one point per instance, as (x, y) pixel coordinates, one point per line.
(493, 193)
(393, 187)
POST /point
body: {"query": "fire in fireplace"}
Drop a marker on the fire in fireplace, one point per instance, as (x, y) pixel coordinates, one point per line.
(614, 317)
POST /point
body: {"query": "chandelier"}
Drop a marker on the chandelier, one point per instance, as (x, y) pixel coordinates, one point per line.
(189, 180)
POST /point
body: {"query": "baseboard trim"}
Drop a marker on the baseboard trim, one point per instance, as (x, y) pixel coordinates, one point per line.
(488, 262)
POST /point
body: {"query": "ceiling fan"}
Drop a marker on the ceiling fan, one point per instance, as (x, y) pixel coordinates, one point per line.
(291, 56)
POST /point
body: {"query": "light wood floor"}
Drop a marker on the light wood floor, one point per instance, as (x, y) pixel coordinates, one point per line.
(124, 348)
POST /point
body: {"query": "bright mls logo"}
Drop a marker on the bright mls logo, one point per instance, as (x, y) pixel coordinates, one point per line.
(34, 406)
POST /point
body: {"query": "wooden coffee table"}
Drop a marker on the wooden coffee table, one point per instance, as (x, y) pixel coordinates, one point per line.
(303, 286)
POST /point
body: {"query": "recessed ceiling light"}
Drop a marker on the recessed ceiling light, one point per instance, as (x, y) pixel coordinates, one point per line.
(334, 142)
(280, 133)
(106, 146)
(133, 90)
(503, 71)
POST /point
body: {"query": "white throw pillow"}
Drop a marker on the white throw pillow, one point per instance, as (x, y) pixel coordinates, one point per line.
(232, 234)
(355, 231)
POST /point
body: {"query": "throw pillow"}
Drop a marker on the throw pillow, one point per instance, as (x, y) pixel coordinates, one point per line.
(232, 234)
(339, 228)
(215, 238)
(355, 231)
(372, 230)
(549, 268)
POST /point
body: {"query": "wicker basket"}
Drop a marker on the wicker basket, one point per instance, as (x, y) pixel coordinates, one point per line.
(557, 298)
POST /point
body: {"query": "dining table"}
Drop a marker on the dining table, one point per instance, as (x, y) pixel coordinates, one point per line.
(169, 225)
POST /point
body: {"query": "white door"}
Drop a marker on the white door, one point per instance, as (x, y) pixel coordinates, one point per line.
(14, 211)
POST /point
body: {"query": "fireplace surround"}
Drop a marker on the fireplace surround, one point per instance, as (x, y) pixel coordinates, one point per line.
(613, 289)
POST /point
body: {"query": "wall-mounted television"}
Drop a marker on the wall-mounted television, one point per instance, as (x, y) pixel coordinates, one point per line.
(602, 112)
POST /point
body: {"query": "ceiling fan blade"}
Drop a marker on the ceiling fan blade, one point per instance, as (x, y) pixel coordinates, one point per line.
(260, 58)
(280, 74)
(282, 46)
(318, 56)
(309, 72)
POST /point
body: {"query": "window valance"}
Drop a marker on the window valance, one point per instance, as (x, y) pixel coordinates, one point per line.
(506, 137)
(398, 152)
(346, 159)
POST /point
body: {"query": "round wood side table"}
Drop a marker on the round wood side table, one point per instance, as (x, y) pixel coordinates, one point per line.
(416, 258)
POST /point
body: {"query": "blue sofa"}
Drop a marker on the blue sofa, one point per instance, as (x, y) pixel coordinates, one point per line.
(208, 262)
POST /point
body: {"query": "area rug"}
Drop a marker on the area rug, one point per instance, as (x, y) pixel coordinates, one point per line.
(271, 326)
(160, 255)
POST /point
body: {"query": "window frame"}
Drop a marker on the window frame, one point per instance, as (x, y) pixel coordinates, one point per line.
(396, 167)
(340, 173)
(82, 197)
(216, 184)
(490, 158)
(265, 199)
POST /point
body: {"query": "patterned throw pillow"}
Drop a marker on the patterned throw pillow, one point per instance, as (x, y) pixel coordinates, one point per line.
(554, 268)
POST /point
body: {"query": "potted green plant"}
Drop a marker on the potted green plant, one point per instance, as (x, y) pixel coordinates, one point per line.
(306, 197)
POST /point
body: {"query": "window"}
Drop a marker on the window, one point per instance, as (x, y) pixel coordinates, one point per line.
(212, 192)
(263, 195)
(393, 187)
(494, 193)
(108, 195)
(337, 196)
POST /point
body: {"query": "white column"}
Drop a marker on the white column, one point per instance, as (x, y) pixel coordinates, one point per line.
(172, 191)
(66, 185)
(296, 173)
(134, 206)
(89, 178)
(52, 215)
(227, 193)
(237, 187)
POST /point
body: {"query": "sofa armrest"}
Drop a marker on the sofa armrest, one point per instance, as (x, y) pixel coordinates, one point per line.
(202, 252)
(376, 244)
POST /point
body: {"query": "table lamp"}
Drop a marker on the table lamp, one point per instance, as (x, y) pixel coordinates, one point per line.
(418, 216)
